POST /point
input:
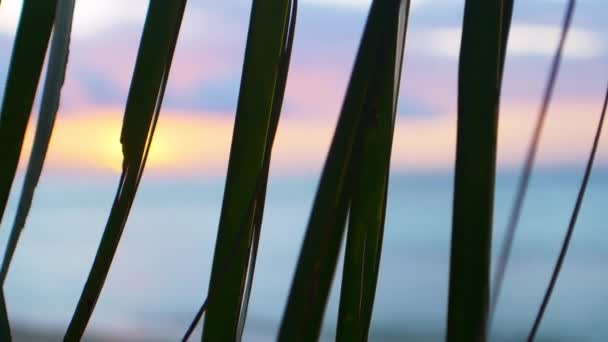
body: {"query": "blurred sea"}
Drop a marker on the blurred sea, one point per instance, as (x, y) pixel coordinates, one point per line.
(161, 271)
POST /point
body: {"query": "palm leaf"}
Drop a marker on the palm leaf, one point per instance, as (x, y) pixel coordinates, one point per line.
(573, 218)
(370, 187)
(481, 62)
(506, 18)
(319, 253)
(524, 180)
(58, 58)
(255, 125)
(143, 106)
(5, 329)
(29, 50)
(260, 193)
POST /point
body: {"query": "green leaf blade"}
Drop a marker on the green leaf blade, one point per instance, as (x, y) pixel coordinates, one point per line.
(253, 131)
(370, 188)
(5, 329)
(318, 258)
(152, 66)
(58, 58)
(481, 62)
(29, 50)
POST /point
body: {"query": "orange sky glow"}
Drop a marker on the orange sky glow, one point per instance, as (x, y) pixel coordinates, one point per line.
(199, 143)
(193, 140)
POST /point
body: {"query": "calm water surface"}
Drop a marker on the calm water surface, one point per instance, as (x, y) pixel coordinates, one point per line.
(161, 271)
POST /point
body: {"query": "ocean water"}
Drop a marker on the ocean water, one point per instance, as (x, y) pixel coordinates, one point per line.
(160, 274)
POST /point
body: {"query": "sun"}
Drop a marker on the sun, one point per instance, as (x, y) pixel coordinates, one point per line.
(90, 140)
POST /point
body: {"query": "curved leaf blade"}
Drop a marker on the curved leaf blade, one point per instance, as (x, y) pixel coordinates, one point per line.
(253, 133)
(481, 63)
(58, 58)
(524, 179)
(29, 50)
(5, 329)
(143, 106)
(370, 187)
(571, 225)
(318, 257)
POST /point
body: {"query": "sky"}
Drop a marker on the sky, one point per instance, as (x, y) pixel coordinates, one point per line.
(194, 132)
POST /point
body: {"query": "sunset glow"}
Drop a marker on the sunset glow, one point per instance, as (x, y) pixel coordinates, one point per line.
(194, 132)
(188, 143)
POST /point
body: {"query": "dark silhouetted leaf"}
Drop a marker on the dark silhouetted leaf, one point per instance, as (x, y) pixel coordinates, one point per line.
(370, 187)
(571, 225)
(58, 58)
(524, 180)
(318, 257)
(254, 130)
(29, 50)
(143, 106)
(5, 329)
(482, 53)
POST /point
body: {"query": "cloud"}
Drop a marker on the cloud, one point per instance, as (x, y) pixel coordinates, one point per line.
(341, 3)
(524, 40)
(90, 16)
(355, 4)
